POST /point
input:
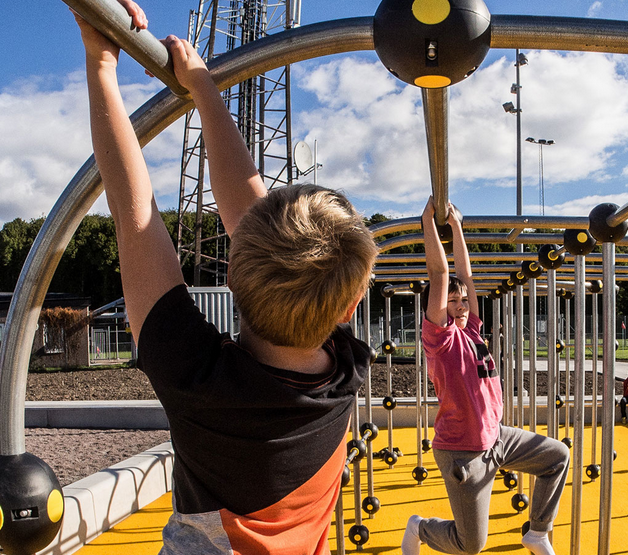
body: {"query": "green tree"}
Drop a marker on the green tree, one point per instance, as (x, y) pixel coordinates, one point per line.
(16, 239)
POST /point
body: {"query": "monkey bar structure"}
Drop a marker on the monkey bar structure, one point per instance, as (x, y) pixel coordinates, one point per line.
(292, 46)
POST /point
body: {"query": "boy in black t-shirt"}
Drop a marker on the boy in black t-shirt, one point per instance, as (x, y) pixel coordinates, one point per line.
(258, 426)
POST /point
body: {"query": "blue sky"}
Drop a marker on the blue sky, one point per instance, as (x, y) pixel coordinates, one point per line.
(371, 138)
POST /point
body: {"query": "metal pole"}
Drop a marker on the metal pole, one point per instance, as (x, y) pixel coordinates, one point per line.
(426, 422)
(519, 184)
(387, 310)
(578, 428)
(552, 427)
(608, 400)
(568, 358)
(357, 485)
(340, 526)
(519, 369)
(366, 311)
(112, 20)
(511, 367)
(519, 356)
(594, 376)
(508, 386)
(532, 366)
(417, 365)
(496, 354)
(436, 111)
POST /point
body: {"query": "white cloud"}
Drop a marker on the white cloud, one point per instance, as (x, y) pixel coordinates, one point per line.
(45, 139)
(374, 147)
(594, 9)
(582, 206)
(370, 133)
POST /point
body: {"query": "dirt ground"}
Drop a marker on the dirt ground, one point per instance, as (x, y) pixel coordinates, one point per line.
(74, 454)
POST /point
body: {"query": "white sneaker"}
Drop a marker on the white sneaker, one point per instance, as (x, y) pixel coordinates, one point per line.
(411, 542)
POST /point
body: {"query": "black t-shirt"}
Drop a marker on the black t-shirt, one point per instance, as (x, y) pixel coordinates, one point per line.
(245, 435)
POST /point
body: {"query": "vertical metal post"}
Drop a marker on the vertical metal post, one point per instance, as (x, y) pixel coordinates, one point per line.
(578, 428)
(340, 526)
(436, 113)
(357, 483)
(594, 362)
(519, 184)
(552, 426)
(519, 356)
(519, 368)
(426, 422)
(568, 361)
(366, 312)
(417, 365)
(387, 310)
(496, 354)
(532, 365)
(608, 399)
(511, 368)
(508, 386)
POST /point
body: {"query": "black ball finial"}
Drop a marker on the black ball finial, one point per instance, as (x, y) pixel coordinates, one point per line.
(432, 43)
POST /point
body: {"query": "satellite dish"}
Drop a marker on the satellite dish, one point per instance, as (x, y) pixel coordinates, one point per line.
(303, 157)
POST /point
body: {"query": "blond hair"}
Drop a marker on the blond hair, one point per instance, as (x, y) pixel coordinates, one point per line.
(298, 259)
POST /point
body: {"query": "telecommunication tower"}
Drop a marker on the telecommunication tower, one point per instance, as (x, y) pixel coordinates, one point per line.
(261, 109)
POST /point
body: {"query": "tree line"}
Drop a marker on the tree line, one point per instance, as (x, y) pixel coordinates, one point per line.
(90, 266)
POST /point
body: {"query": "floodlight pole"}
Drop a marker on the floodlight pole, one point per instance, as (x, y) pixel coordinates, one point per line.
(519, 185)
(541, 143)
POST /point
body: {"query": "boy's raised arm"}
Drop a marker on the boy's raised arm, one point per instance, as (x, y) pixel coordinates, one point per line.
(235, 182)
(148, 262)
(462, 263)
(437, 268)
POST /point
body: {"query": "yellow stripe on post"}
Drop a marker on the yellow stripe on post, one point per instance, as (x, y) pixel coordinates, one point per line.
(431, 12)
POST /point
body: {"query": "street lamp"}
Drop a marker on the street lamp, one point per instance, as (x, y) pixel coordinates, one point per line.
(510, 108)
(541, 143)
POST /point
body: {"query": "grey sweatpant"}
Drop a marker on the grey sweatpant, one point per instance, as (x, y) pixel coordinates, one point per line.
(469, 477)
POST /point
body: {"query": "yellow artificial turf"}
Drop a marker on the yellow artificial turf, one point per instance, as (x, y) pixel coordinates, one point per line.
(400, 497)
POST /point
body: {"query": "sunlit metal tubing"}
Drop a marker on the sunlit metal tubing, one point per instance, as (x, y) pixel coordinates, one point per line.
(532, 368)
(111, 19)
(578, 423)
(594, 363)
(552, 427)
(436, 111)
(488, 222)
(366, 311)
(559, 33)
(407, 258)
(618, 217)
(519, 368)
(608, 403)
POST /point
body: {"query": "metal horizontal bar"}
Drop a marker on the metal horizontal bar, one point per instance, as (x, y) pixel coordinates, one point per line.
(559, 33)
(488, 222)
(112, 20)
(409, 258)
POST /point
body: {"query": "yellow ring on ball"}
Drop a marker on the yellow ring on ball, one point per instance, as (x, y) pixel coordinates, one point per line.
(55, 505)
(582, 237)
(1, 518)
(431, 12)
(432, 81)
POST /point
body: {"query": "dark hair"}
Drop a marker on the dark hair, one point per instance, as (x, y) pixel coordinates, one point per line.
(455, 286)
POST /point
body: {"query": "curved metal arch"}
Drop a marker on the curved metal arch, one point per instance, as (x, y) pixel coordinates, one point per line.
(158, 113)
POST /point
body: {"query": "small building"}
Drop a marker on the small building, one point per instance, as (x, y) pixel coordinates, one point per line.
(62, 336)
